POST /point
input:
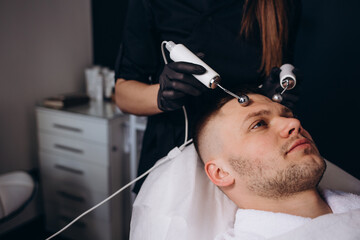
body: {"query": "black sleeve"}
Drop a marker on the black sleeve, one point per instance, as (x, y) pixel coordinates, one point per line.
(139, 50)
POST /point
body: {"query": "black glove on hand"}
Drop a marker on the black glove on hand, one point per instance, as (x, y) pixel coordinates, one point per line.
(272, 86)
(178, 85)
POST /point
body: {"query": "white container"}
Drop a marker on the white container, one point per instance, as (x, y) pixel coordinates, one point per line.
(94, 83)
(109, 83)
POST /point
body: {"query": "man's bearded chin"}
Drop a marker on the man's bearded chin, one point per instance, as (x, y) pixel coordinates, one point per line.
(296, 178)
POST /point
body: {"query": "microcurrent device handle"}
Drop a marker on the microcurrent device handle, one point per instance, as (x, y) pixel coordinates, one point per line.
(179, 53)
(211, 79)
(287, 81)
(287, 77)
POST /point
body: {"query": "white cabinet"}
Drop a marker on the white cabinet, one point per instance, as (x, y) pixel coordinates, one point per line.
(81, 163)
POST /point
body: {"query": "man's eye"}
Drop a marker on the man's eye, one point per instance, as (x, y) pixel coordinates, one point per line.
(260, 123)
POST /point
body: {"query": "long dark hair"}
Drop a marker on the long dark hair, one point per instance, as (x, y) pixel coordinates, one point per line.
(271, 16)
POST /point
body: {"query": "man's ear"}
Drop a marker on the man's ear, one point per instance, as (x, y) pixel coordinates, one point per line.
(218, 175)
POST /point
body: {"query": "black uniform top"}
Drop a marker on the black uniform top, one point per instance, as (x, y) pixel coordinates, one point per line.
(210, 27)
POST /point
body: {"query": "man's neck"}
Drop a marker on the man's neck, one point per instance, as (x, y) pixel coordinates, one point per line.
(305, 204)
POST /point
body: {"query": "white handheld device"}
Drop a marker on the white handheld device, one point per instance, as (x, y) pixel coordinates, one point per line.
(211, 79)
(287, 77)
(178, 52)
(287, 81)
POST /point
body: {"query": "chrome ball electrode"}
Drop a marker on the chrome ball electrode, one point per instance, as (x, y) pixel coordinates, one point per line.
(243, 100)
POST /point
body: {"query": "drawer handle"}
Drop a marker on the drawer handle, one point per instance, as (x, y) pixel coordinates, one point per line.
(78, 223)
(68, 169)
(69, 149)
(68, 128)
(71, 196)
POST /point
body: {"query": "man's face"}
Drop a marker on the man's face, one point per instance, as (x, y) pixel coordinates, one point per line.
(267, 148)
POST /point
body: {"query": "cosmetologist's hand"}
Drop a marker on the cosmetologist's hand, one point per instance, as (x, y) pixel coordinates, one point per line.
(178, 85)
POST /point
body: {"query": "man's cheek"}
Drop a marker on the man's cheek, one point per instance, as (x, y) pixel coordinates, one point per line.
(260, 148)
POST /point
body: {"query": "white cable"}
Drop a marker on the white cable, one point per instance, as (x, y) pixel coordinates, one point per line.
(158, 163)
(186, 125)
(183, 107)
(185, 144)
(163, 52)
(97, 205)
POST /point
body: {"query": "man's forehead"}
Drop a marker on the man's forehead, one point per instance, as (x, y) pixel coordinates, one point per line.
(216, 128)
(257, 101)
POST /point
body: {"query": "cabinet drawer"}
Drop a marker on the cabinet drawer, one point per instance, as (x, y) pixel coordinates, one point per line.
(85, 228)
(76, 199)
(72, 125)
(64, 171)
(74, 149)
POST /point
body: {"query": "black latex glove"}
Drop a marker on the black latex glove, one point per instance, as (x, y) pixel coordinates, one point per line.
(178, 85)
(272, 86)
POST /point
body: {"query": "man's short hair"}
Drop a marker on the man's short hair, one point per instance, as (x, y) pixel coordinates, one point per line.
(210, 106)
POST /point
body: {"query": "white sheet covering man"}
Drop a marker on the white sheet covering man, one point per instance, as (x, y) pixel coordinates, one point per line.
(268, 165)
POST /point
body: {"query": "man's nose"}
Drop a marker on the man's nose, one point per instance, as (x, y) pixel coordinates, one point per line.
(289, 127)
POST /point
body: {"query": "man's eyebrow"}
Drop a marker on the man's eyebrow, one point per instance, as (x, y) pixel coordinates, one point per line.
(256, 114)
(286, 110)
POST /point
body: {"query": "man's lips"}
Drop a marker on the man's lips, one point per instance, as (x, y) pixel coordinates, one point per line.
(299, 143)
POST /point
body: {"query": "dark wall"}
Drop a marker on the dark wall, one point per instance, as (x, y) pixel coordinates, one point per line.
(327, 53)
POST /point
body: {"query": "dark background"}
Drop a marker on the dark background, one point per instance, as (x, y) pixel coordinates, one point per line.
(107, 21)
(327, 53)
